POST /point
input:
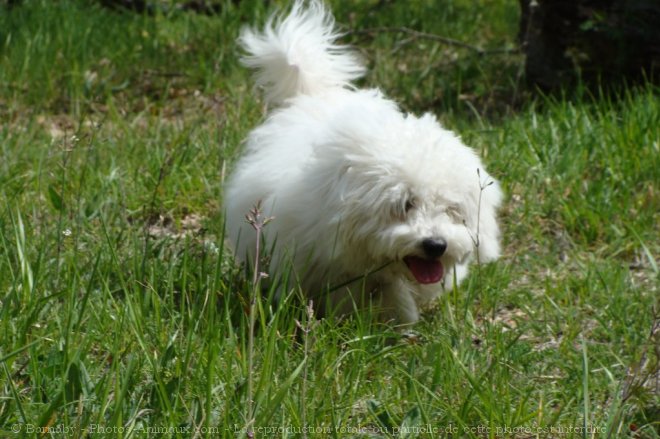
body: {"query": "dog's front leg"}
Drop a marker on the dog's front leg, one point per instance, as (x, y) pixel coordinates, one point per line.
(399, 303)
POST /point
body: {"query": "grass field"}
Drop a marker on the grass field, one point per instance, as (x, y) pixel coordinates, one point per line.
(122, 315)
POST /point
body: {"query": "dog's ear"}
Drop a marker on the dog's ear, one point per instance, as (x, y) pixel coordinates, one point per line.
(489, 231)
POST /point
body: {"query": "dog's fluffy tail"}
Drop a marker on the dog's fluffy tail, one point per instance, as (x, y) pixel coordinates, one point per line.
(298, 55)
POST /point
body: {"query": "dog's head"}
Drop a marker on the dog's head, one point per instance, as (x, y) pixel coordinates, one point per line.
(414, 196)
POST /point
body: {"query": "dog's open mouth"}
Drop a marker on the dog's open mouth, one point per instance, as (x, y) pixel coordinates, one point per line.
(426, 271)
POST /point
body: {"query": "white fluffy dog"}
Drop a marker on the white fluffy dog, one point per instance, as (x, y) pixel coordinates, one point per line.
(370, 205)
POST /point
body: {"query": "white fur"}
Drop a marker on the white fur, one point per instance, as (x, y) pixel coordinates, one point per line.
(336, 168)
(298, 55)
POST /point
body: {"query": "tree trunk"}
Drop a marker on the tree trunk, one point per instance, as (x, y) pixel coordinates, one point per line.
(595, 41)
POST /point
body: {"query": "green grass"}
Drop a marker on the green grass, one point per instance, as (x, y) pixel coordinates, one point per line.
(121, 313)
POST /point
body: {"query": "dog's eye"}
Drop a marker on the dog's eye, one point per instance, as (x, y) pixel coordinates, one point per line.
(454, 213)
(410, 204)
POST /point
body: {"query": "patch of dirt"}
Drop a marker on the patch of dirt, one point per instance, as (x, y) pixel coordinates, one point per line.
(164, 226)
(57, 126)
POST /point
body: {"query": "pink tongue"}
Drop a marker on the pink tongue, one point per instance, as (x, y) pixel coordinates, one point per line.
(426, 271)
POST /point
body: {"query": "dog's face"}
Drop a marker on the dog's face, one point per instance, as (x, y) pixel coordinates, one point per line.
(425, 234)
(422, 210)
(439, 229)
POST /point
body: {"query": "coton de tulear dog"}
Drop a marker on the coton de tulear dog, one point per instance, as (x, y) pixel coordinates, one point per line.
(370, 205)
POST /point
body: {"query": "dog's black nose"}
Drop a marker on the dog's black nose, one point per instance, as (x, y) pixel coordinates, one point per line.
(434, 247)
